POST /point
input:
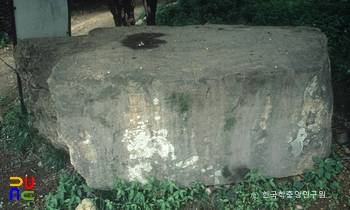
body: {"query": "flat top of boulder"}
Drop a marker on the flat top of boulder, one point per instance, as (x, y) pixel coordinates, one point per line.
(133, 50)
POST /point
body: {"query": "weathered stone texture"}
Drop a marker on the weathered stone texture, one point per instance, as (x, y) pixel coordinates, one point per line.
(204, 103)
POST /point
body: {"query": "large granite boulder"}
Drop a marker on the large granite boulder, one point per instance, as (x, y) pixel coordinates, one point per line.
(205, 103)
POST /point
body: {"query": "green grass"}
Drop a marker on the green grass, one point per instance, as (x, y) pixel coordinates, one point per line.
(230, 122)
(18, 135)
(4, 39)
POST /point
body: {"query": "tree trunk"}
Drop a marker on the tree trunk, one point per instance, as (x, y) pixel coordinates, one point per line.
(122, 11)
(150, 9)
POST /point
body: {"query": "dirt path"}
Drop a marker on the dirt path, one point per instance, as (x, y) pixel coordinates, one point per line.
(8, 83)
(82, 24)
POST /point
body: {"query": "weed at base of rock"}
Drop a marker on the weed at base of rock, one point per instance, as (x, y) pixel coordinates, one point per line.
(18, 134)
(256, 192)
(4, 40)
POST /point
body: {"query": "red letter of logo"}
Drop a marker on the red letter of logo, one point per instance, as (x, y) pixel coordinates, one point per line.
(26, 183)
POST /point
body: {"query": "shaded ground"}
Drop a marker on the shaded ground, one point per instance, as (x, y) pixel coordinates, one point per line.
(45, 182)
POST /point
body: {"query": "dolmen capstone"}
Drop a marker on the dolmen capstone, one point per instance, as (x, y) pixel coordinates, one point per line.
(195, 103)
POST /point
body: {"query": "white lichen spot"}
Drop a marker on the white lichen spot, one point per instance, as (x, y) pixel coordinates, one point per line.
(131, 120)
(210, 167)
(135, 173)
(297, 144)
(156, 101)
(312, 87)
(300, 123)
(190, 161)
(217, 175)
(265, 115)
(324, 88)
(142, 145)
(138, 117)
(157, 118)
(125, 134)
(179, 164)
(203, 170)
(85, 135)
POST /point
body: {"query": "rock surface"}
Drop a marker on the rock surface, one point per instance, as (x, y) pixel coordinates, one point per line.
(195, 103)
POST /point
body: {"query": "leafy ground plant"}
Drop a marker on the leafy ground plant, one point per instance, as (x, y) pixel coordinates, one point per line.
(154, 195)
(4, 39)
(71, 190)
(256, 192)
(17, 132)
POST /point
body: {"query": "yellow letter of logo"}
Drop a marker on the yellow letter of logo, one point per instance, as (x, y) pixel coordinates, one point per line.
(16, 178)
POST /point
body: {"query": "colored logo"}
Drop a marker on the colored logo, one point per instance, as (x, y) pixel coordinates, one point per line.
(15, 182)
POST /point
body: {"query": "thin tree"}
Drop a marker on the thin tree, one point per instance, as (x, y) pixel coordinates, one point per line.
(123, 11)
(150, 9)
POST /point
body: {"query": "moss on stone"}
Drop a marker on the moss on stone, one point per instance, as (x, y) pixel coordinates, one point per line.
(230, 122)
(180, 102)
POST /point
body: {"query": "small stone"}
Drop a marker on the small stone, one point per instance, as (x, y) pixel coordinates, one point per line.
(208, 191)
(299, 207)
(86, 204)
(296, 178)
